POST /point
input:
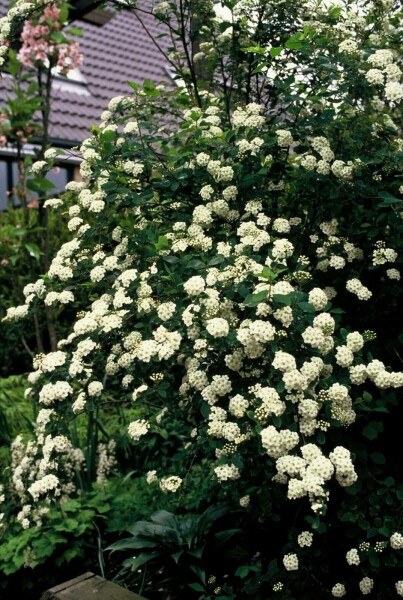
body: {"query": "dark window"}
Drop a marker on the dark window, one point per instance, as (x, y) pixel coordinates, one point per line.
(3, 185)
(9, 178)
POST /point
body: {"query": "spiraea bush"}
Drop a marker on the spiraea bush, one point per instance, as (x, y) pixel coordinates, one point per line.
(236, 255)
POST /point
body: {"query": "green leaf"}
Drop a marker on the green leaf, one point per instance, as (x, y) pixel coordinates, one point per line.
(244, 571)
(162, 244)
(378, 458)
(294, 43)
(286, 299)
(253, 300)
(200, 572)
(306, 307)
(171, 259)
(254, 49)
(388, 199)
(217, 260)
(176, 556)
(196, 264)
(223, 536)
(275, 51)
(33, 250)
(59, 38)
(40, 185)
(370, 433)
(143, 558)
(75, 31)
(335, 12)
(267, 273)
(196, 586)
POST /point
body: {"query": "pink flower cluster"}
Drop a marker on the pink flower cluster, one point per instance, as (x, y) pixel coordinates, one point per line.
(39, 47)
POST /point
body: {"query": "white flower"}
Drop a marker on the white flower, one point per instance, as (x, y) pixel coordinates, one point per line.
(352, 557)
(284, 361)
(195, 286)
(290, 562)
(166, 310)
(227, 472)
(344, 356)
(284, 138)
(38, 167)
(338, 590)
(47, 484)
(396, 541)
(366, 584)
(305, 539)
(356, 287)
(217, 327)
(380, 58)
(317, 298)
(375, 76)
(170, 484)
(95, 388)
(151, 477)
(309, 162)
(393, 274)
(53, 203)
(137, 429)
(394, 91)
(348, 46)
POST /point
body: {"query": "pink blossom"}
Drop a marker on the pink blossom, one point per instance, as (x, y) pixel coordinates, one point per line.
(39, 49)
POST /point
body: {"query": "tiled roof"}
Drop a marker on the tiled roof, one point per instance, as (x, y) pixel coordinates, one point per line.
(114, 53)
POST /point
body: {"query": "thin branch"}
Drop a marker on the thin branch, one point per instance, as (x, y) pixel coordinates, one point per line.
(152, 38)
(27, 348)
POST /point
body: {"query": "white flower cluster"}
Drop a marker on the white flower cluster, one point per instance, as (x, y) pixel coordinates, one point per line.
(137, 429)
(249, 116)
(338, 590)
(54, 392)
(284, 138)
(352, 557)
(48, 483)
(366, 585)
(396, 541)
(195, 286)
(106, 461)
(386, 73)
(382, 255)
(356, 287)
(348, 47)
(217, 327)
(227, 472)
(305, 539)
(170, 484)
(290, 562)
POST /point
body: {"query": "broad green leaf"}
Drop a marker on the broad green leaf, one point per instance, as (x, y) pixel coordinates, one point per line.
(378, 458)
(143, 558)
(275, 51)
(254, 299)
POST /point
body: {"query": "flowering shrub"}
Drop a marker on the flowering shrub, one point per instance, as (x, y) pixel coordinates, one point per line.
(222, 264)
